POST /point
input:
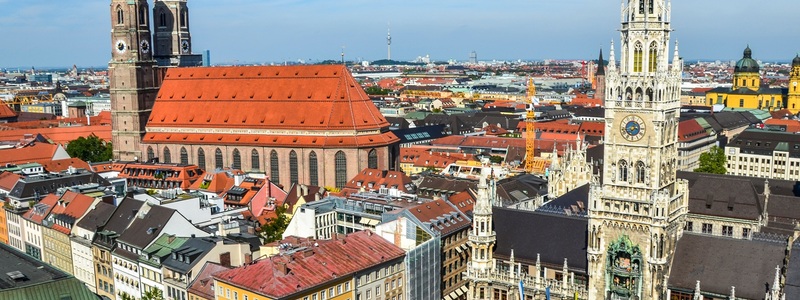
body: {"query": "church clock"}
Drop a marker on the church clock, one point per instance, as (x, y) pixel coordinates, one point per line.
(632, 128)
(121, 46)
(145, 46)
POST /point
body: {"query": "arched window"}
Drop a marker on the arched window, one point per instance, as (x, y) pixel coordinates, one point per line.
(162, 19)
(652, 59)
(292, 167)
(640, 172)
(313, 169)
(651, 7)
(237, 160)
(340, 169)
(218, 163)
(274, 169)
(201, 158)
(184, 17)
(142, 15)
(641, 6)
(184, 156)
(167, 156)
(623, 170)
(150, 154)
(120, 16)
(637, 57)
(255, 161)
(372, 159)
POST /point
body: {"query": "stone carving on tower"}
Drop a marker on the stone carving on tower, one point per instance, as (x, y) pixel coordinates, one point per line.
(481, 239)
(133, 76)
(172, 38)
(637, 214)
(569, 173)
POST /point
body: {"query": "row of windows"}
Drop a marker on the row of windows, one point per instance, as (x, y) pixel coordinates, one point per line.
(313, 164)
(639, 171)
(727, 230)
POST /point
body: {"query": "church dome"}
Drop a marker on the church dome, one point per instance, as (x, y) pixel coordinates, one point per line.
(747, 63)
(796, 61)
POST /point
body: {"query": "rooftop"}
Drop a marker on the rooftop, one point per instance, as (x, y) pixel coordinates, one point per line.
(22, 277)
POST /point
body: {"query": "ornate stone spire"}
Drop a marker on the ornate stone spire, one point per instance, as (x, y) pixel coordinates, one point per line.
(733, 293)
(697, 292)
(612, 61)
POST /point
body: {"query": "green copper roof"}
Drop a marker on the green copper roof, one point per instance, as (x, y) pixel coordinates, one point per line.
(747, 63)
(162, 247)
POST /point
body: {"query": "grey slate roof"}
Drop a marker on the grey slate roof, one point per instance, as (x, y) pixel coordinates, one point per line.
(573, 201)
(553, 236)
(720, 263)
(42, 185)
(192, 251)
(41, 281)
(96, 217)
(764, 142)
(723, 196)
(144, 230)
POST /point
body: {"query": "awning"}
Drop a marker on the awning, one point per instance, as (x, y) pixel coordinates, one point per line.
(463, 288)
(459, 250)
(369, 222)
(448, 297)
(458, 292)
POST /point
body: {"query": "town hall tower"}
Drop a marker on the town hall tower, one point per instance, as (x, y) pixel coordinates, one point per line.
(636, 215)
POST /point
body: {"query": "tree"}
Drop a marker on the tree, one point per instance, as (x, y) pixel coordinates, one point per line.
(90, 149)
(273, 229)
(126, 296)
(496, 159)
(153, 294)
(712, 161)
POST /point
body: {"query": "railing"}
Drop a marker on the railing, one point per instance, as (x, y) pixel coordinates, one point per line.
(531, 285)
(482, 239)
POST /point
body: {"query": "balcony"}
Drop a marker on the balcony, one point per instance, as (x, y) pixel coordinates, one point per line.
(531, 285)
(482, 239)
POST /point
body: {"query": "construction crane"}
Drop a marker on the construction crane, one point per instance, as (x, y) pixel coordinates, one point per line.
(20, 100)
(530, 134)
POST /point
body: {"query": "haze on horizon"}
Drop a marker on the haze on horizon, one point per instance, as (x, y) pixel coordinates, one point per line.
(48, 33)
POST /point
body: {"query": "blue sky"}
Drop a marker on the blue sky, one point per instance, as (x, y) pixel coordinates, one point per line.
(65, 32)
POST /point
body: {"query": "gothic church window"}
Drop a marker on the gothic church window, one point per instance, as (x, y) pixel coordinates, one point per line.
(293, 167)
(255, 161)
(653, 58)
(640, 172)
(167, 156)
(120, 16)
(372, 159)
(313, 168)
(218, 163)
(651, 7)
(237, 160)
(183, 18)
(184, 156)
(201, 158)
(637, 57)
(162, 19)
(340, 169)
(623, 170)
(274, 170)
(142, 15)
(150, 154)
(641, 6)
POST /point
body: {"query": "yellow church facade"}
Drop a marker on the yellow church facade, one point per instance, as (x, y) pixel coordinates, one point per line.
(747, 91)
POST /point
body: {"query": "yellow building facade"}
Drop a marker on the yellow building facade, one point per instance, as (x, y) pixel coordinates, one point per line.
(747, 91)
(3, 226)
(335, 290)
(793, 95)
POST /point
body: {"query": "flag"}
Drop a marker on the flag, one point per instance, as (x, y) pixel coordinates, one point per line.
(547, 293)
(521, 291)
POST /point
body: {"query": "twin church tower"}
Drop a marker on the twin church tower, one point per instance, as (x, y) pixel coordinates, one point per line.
(140, 54)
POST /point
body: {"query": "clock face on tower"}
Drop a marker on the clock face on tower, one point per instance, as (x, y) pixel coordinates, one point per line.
(185, 46)
(121, 46)
(632, 128)
(145, 46)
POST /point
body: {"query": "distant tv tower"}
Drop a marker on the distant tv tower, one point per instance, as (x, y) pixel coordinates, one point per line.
(389, 42)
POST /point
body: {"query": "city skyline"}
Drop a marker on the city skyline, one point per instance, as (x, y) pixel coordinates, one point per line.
(54, 34)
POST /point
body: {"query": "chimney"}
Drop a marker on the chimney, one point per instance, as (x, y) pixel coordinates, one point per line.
(225, 259)
(281, 267)
(308, 253)
(299, 190)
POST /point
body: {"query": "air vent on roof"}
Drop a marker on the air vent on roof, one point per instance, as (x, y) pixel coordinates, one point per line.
(224, 74)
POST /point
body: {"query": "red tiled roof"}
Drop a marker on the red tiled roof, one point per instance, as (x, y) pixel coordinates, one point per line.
(71, 204)
(464, 201)
(273, 140)
(373, 179)
(217, 183)
(46, 205)
(780, 114)
(583, 101)
(690, 130)
(441, 215)
(146, 175)
(6, 112)
(35, 152)
(203, 284)
(319, 97)
(63, 164)
(60, 135)
(592, 128)
(791, 125)
(479, 141)
(8, 180)
(331, 260)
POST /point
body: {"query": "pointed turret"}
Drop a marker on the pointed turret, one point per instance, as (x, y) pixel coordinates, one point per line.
(483, 204)
(601, 70)
(775, 291)
(677, 63)
(612, 61)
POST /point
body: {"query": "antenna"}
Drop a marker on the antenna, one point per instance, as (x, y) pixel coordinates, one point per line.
(343, 55)
(389, 41)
